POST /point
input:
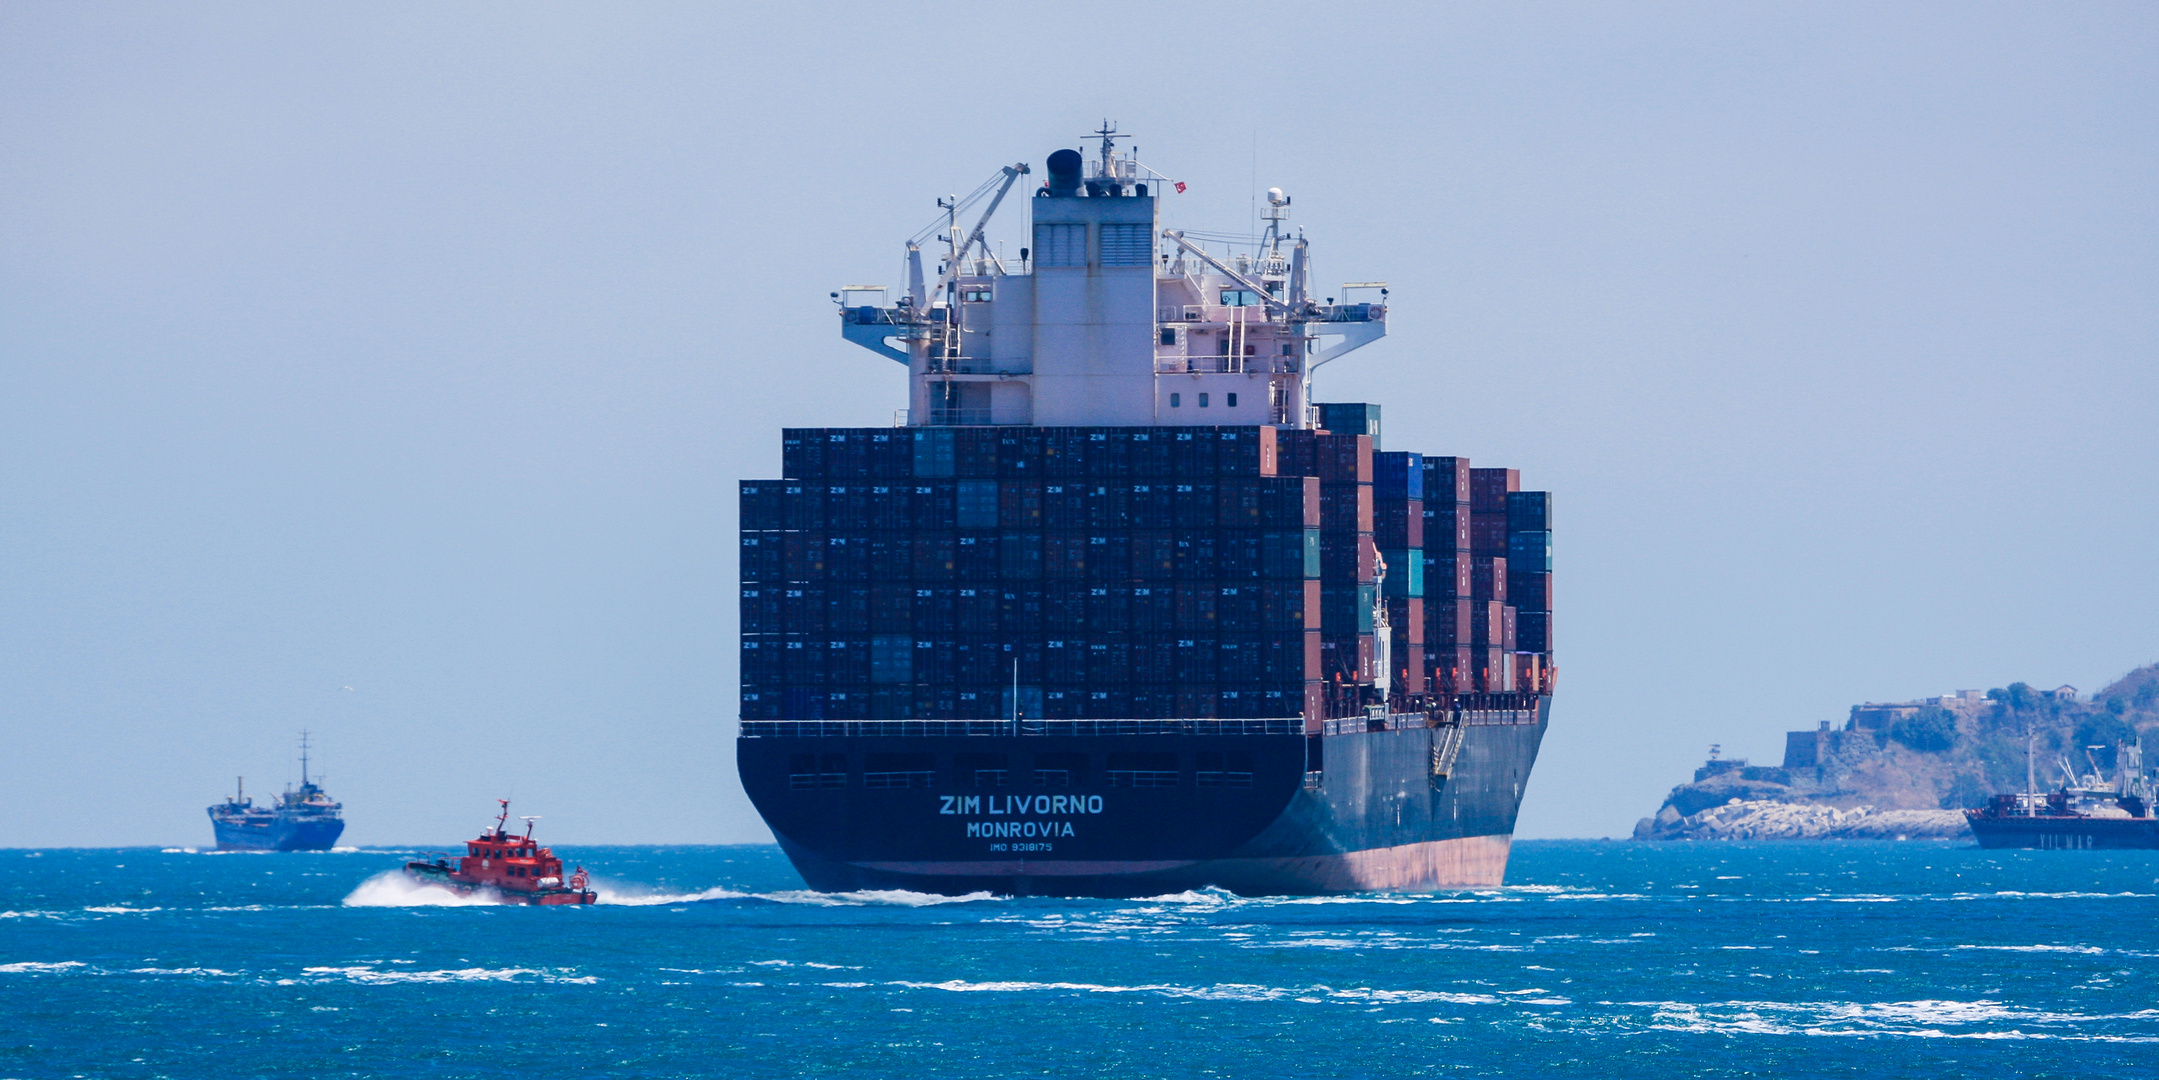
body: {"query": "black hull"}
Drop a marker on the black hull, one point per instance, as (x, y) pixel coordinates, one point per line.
(2066, 833)
(1410, 807)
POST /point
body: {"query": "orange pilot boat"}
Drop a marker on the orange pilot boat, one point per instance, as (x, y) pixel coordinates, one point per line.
(513, 869)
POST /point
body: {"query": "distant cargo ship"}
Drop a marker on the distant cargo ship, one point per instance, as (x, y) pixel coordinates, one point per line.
(302, 819)
(2086, 812)
(1116, 609)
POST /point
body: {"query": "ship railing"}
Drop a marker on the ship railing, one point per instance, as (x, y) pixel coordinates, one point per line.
(1504, 710)
(840, 729)
(960, 417)
(970, 365)
(1232, 365)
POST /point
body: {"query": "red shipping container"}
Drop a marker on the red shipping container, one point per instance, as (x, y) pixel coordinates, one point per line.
(1409, 671)
(1313, 664)
(1508, 639)
(1315, 707)
(1348, 508)
(1529, 673)
(1447, 622)
(1347, 459)
(1489, 488)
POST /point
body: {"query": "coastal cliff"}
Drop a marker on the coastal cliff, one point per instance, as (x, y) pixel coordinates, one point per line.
(1907, 770)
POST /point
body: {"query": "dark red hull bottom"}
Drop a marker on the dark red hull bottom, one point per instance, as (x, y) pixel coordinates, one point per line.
(430, 874)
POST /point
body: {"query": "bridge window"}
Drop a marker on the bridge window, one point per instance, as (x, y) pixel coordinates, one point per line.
(1239, 298)
(1231, 402)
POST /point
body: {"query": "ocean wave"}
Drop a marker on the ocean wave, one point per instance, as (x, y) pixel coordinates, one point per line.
(2084, 950)
(632, 896)
(1244, 992)
(195, 971)
(1918, 1019)
(394, 888)
(376, 976)
(179, 851)
(873, 898)
(121, 909)
(33, 967)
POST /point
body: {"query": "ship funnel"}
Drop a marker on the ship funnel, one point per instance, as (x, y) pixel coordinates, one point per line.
(1064, 169)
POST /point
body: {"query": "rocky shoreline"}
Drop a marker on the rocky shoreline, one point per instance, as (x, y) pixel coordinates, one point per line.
(1764, 820)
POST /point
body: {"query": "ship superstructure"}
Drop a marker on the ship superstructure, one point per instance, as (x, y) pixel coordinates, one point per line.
(1116, 608)
(2087, 811)
(303, 818)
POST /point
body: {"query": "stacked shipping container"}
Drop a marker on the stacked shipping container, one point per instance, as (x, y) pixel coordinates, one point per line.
(1111, 573)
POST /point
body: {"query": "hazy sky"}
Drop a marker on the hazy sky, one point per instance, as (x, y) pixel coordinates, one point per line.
(386, 370)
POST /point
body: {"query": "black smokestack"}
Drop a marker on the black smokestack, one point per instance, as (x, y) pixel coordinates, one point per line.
(1064, 166)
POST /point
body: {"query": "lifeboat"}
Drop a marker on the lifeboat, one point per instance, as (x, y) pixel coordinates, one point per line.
(506, 867)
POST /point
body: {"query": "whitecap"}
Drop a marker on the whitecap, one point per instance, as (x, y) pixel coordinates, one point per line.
(634, 896)
(374, 976)
(32, 967)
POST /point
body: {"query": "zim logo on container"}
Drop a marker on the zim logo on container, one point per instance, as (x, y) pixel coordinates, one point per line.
(1021, 804)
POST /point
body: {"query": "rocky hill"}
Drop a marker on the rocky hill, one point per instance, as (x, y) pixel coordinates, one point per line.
(1911, 766)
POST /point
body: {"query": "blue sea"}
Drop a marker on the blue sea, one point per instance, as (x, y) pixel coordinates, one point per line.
(1605, 959)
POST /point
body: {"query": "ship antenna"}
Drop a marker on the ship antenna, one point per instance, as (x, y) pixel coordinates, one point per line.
(528, 819)
(303, 759)
(1108, 132)
(504, 819)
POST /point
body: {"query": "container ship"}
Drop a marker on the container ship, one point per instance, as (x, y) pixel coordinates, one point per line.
(1114, 608)
(2090, 811)
(302, 819)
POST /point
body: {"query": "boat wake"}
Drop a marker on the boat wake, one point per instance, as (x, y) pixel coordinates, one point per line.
(392, 888)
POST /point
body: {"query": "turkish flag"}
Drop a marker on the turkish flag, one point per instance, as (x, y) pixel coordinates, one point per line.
(1180, 187)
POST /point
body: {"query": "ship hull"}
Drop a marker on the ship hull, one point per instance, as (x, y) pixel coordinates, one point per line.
(442, 878)
(319, 834)
(1392, 809)
(2066, 833)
